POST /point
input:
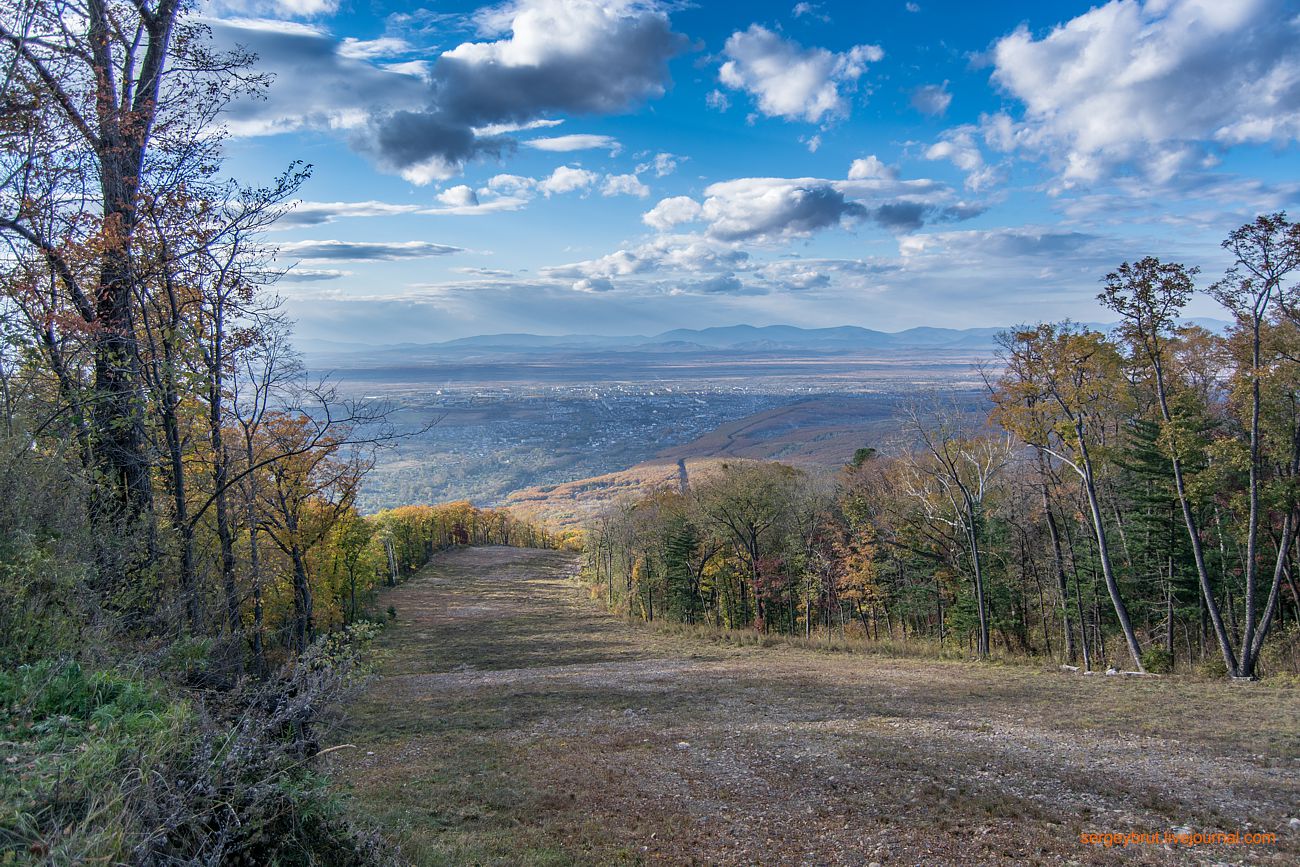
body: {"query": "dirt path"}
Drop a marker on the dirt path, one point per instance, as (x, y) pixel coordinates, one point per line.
(516, 723)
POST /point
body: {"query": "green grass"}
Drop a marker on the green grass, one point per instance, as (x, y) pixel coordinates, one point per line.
(104, 766)
(69, 737)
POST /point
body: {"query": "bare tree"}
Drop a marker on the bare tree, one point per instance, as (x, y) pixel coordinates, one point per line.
(952, 479)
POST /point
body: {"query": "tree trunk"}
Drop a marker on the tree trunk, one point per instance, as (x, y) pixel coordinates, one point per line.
(1103, 552)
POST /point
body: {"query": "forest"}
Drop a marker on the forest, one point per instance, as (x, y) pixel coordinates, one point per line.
(187, 582)
(1129, 504)
(189, 588)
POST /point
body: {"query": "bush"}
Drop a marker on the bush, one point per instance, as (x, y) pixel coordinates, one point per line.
(45, 610)
(106, 766)
(1281, 655)
(1157, 660)
(1213, 667)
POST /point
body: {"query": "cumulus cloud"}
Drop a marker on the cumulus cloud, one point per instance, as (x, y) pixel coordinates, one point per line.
(511, 185)
(719, 284)
(316, 85)
(671, 212)
(567, 179)
(424, 118)
(770, 209)
(805, 275)
(663, 164)
(932, 99)
(575, 142)
(958, 147)
(461, 196)
(871, 167)
(570, 56)
(756, 208)
(790, 81)
(698, 265)
(624, 185)
(1151, 86)
(690, 254)
(593, 284)
(717, 100)
(358, 251)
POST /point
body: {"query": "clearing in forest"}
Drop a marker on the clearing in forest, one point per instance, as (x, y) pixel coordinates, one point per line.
(514, 722)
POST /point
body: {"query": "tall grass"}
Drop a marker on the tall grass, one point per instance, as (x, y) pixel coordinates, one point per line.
(110, 767)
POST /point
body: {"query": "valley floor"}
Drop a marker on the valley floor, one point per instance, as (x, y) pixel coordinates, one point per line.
(514, 722)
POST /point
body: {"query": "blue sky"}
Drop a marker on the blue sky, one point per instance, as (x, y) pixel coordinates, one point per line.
(565, 166)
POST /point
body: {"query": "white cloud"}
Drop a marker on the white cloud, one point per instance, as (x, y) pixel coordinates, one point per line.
(511, 185)
(1151, 85)
(717, 100)
(461, 196)
(494, 273)
(575, 142)
(958, 147)
(368, 49)
(811, 10)
(364, 250)
(460, 200)
(672, 212)
(624, 185)
(495, 129)
(313, 275)
(664, 164)
(769, 208)
(424, 118)
(320, 213)
(274, 8)
(567, 179)
(789, 80)
(306, 8)
(932, 99)
(773, 209)
(871, 167)
(316, 86)
(593, 284)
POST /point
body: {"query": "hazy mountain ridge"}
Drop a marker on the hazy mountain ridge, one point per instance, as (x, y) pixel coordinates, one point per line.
(728, 338)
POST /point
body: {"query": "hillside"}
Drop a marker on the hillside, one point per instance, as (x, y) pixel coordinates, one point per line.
(513, 721)
(572, 504)
(818, 432)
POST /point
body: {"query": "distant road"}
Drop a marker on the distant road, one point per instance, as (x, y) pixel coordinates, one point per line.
(516, 723)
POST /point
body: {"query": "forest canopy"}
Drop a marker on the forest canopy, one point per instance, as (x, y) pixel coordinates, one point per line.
(1130, 500)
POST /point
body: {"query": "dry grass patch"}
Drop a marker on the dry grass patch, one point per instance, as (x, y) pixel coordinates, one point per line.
(516, 723)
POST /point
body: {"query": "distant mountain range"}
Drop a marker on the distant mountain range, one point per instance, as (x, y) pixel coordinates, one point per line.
(731, 339)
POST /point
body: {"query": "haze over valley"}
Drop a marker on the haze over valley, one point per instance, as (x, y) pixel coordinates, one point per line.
(517, 411)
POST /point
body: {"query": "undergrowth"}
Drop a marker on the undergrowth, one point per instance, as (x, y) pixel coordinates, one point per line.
(110, 766)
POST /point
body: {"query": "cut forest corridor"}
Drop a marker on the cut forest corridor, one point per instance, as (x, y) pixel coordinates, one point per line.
(513, 722)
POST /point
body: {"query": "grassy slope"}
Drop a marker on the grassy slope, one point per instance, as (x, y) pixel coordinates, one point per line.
(517, 724)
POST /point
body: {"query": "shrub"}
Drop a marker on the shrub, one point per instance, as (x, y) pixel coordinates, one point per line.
(106, 766)
(1157, 660)
(1281, 655)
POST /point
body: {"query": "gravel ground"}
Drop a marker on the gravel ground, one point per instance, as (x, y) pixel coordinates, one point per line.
(516, 723)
